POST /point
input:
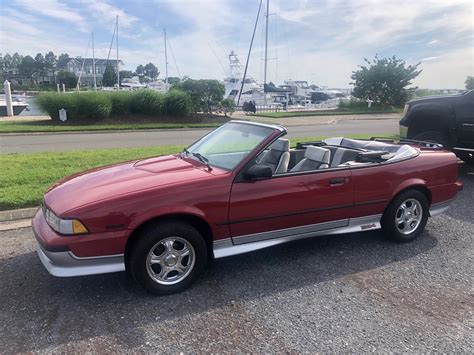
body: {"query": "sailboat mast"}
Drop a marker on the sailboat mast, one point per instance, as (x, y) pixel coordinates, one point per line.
(266, 53)
(248, 55)
(166, 60)
(93, 63)
(118, 70)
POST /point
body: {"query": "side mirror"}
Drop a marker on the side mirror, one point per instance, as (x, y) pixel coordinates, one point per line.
(259, 172)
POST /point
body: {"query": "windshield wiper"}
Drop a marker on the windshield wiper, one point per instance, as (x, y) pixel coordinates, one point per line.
(202, 159)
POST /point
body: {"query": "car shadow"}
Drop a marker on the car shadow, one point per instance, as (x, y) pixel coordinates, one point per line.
(464, 199)
(40, 311)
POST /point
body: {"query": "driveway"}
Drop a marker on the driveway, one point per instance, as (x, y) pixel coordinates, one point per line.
(78, 141)
(351, 293)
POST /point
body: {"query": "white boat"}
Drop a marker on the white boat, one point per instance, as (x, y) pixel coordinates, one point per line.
(251, 90)
(132, 83)
(158, 85)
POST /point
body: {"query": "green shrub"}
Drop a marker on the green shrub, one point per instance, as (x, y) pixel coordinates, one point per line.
(53, 102)
(93, 105)
(147, 102)
(177, 103)
(228, 105)
(121, 102)
(90, 106)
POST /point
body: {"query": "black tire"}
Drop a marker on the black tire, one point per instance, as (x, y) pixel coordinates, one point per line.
(435, 137)
(150, 239)
(389, 223)
(467, 157)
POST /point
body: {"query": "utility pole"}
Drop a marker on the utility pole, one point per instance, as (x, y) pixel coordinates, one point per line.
(93, 63)
(166, 60)
(118, 70)
(266, 53)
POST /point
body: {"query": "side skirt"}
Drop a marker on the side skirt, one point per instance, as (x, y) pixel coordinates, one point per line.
(247, 243)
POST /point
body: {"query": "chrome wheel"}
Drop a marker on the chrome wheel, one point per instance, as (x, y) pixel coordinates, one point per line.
(170, 260)
(408, 216)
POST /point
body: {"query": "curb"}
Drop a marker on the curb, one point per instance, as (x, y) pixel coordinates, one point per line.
(14, 215)
(106, 131)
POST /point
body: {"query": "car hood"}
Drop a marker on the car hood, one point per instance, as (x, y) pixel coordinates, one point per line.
(103, 183)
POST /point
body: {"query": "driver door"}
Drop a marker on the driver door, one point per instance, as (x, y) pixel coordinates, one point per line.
(307, 202)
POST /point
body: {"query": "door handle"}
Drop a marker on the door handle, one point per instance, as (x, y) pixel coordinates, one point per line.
(337, 181)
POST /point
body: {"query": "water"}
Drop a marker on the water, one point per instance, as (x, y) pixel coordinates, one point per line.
(33, 109)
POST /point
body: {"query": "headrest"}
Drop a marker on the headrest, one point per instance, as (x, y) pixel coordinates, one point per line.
(281, 144)
(318, 154)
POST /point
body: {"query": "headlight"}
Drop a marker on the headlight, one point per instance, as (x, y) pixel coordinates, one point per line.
(64, 226)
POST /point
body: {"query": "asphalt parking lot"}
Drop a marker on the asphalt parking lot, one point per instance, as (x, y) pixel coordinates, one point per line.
(351, 293)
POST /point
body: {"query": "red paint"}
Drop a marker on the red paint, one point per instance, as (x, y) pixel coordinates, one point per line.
(113, 201)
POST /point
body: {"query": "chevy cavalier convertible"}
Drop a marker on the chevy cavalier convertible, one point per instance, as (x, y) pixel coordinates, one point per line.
(238, 189)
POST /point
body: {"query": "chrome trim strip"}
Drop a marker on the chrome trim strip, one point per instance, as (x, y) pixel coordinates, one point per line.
(287, 232)
(441, 207)
(280, 128)
(225, 247)
(470, 150)
(63, 264)
(94, 257)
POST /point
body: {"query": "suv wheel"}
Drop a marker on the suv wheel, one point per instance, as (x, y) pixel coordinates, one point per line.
(168, 257)
(467, 157)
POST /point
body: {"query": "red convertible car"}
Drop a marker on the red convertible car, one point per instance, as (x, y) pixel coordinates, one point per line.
(238, 189)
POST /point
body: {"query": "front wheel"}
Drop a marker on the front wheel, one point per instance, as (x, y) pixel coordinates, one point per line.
(406, 216)
(168, 257)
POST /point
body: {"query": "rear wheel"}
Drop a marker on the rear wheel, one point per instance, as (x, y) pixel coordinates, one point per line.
(435, 137)
(168, 257)
(406, 216)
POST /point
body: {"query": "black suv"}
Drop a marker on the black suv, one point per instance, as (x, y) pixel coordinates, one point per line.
(448, 120)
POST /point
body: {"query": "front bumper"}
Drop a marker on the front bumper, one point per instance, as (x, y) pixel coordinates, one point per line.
(62, 262)
(66, 264)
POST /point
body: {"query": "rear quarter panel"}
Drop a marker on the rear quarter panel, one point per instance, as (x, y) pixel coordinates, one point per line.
(376, 186)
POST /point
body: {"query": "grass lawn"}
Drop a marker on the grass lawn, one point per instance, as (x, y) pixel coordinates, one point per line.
(50, 126)
(281, 114)
(25, 177)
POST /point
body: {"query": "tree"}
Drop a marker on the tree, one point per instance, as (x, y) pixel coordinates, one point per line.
(384, 80)
(140, 70)
(469, 83)
(27, 65)
(40, 65)
(126, 74)
(7, 62)
(16, 60)
(63, 59)
(204, 93)
(173, 80)
(110, 76)
(67, 78)
(151, 71)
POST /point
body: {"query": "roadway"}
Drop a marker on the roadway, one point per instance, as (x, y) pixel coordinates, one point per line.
(29, 143)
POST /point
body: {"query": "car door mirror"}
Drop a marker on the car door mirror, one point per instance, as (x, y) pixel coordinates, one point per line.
(259, 172)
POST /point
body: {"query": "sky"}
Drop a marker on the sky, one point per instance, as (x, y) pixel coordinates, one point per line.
(321, 41)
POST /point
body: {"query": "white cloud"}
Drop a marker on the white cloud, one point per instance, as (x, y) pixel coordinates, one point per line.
(433, 42)
(106, 13)
(427, 59)
(55, 9)
(449, 72)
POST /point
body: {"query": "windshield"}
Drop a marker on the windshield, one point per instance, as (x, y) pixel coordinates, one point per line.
(229, 144)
